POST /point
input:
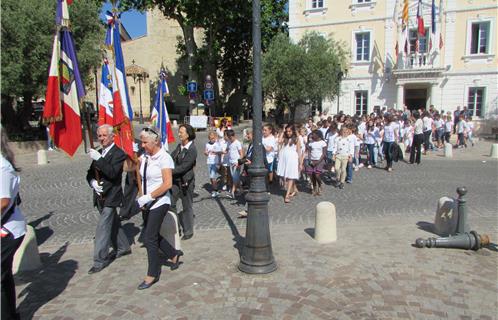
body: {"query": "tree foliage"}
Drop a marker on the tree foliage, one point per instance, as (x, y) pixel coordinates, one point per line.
(302, 73)
(28, 28)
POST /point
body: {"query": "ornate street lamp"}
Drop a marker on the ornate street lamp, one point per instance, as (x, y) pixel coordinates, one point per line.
(138, 74)
(257, 255)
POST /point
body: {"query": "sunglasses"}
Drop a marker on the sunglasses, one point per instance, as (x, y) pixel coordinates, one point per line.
(150, 130)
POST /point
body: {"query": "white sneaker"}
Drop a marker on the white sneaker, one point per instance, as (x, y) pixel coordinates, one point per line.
(361, 165)
(369, 166)
(50, 149)
(214, 194)
(224, 188)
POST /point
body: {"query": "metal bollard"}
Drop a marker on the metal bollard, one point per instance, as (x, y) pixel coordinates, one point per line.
(466, 241)
(462, 211)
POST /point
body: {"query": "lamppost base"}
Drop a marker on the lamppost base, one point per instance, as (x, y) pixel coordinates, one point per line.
(253, 269)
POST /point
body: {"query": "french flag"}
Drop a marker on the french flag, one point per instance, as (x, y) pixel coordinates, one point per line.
(105, 96)
(64, 88)
(122, 111)
(159, 117)
(420, 19)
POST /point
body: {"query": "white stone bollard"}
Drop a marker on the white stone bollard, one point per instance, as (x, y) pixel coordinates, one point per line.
(169, 230)
(175, 124)
(494, 151)
(448, 150)
(403, 148)
(446, 220)
(27, 257)
(325, 223)
(42, 157)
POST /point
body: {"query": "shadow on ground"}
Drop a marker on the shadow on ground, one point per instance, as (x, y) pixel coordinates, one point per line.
(46, 283)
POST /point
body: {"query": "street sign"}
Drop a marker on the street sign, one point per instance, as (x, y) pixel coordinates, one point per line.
(192, 86)
(208, 85)
(209, 95)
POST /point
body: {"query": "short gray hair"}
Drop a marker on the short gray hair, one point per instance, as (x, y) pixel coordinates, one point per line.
(109, 128)
(151, 134)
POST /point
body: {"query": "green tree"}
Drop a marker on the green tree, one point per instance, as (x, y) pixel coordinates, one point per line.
(226, 47)
(298, 75)
(28, 28)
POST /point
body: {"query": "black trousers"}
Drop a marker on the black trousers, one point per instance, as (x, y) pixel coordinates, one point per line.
(427, 142)
(416, 148)
(187, 214)
(388, 153)
(154, 241)
(9, 248)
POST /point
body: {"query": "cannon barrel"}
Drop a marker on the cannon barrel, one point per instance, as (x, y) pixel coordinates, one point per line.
(468, 240)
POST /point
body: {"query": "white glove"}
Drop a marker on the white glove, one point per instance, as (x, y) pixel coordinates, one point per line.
(97, 187)
(135, 147)
(94, 154)
(143, 200)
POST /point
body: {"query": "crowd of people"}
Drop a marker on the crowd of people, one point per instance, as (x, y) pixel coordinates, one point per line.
(333, 148)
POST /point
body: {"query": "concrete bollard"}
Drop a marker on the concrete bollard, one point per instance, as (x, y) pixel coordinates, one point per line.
(403, 149)
(42, 157)
(445, 222)
(27, 257)
(448, 150)
(494, 151)
(175, 124)
(169, 230)
(325, 223)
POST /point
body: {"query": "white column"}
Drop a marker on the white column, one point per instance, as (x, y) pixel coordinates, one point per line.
(400, 99)
(435, 95)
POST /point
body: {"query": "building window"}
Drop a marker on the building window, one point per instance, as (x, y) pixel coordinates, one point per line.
(479, 42)
(316, 4)
(363, 1)
(361, 102)
(422, 41)
(362, 46)
(475, 101)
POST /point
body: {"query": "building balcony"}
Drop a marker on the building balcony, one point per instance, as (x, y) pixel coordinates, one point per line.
(417, 65)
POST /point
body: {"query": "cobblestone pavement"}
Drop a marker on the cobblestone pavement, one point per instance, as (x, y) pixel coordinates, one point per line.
(371, 272)
(57, 200)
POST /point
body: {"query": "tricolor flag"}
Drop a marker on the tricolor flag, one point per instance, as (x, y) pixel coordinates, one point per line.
(159, 117)
(122, 111)
(105, 96)
(64, 88)
(420, 19)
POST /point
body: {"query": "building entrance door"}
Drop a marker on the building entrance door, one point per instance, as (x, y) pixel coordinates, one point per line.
(416, 98)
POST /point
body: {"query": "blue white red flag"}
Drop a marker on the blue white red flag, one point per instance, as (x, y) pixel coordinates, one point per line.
(105, 96)
(159, 117)
(64, 89)
(420, 19)
(122, 111)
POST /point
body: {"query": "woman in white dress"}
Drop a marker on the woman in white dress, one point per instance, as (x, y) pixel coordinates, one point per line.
(290, 161)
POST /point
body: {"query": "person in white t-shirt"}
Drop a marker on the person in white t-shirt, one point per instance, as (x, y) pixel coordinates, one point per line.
(461, 132)
(156, 170)
(448, 127)
(324, 129)
(13, 226)
(427, 121)
(224, 163)
(270, 145)
(212, 152)
(371, 135)
(469, 127)
(317, 151)
(331, 136)
(235, 152)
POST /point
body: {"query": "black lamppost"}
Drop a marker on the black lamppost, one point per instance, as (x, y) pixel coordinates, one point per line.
(138, 75)
(257, 255)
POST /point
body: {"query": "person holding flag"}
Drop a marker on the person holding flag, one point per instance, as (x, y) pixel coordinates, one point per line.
(159, 117)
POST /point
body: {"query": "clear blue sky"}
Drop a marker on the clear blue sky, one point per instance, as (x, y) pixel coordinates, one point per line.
(133, 21)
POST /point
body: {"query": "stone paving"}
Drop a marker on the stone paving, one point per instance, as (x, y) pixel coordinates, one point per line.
(371, 272)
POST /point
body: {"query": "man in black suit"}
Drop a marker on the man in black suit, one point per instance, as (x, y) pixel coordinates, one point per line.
(185, 156)
(104, 176)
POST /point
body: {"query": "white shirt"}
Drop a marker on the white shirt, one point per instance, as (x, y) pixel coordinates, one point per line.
(389, 135)
(234, 151)
(316, 149)
(324, 132)
(105, 150)
(448, 126)
(343, 146)
(213, 150)
(352, 141)
(469, 126)
(371, 136)
(223, 148)
(427, 123)
(361, 128)
(155, 163)
(419, 126)
(438, 123)
(331, 142)
(461, 126)
(9, 188)
(270, 141)
(186, 146)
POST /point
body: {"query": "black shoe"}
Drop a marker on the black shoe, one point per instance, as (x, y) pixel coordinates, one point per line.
(176, 265)
(96, 269)
(122, 254)
(144, 285)
(341, 186)
(187, 236)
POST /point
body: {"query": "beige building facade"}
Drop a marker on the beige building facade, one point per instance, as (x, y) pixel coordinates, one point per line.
(455, 65)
